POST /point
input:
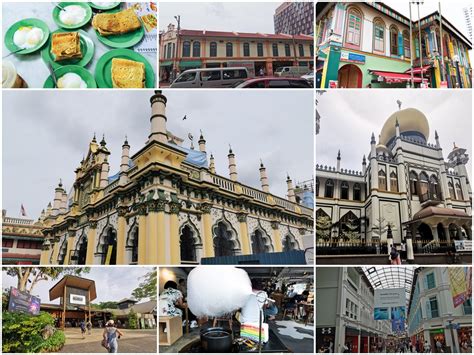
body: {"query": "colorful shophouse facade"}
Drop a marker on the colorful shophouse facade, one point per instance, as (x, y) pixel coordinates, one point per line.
(361, 45)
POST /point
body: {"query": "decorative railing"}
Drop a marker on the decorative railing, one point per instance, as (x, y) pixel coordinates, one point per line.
(433, 196)
(256, 194)
(13, 220)
(223, 183)
(433, 246)
(285, 203)
(341, 171)
(111, 186)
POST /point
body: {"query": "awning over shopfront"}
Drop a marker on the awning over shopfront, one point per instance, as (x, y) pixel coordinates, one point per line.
(190, 63)
(166, 64)
(393, 77)
(417, 70)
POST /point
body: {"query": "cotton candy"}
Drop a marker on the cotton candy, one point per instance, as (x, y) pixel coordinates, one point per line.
(214, 291)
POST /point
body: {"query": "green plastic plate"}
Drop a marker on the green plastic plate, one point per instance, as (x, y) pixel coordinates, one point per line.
(27, 22)
(103, 68)
(82, 72)
(57, 10)
(112, 4)
(87, 49)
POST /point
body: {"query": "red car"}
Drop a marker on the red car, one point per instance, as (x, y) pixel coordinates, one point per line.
(274, 82)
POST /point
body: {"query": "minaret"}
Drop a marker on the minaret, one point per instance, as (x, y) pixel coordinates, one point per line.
(49, 210)
(202, 143)
(58, 191)
(338, 166)
(63, 207)
(212, 166)
(232, 166)
(291, 190)
(124, 162)
(104, 174)
(158, 118)
(364, 165)
(437, 140)
(397, 128)
(264, 178)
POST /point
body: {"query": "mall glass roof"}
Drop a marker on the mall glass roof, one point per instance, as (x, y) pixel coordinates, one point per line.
(390, 277)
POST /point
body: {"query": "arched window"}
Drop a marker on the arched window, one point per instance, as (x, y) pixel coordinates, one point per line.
(451, 190)
(132, 245)
(459, 192)
(354, 28)
(382, 180)
(356, 192)
(109, 247)
(289, 243)
(406, 44)
(301, 50)
(246, 49)
(223, 244)
(434, 188)
(413, 183)
(187, 245)
(196, 49)
(393, 40)
(258, 243)
(260, 49)
(423, 184)
(229, 49)
(329, 189)
(393, 182)
(213, 49)
(186, 49)
(379, 35)
(317, 187)
(275, 49)
(168, 51)
(82, 251)
(344, 190)
(173, 47)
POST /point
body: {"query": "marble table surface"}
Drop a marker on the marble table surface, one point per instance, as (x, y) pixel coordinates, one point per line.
(31, 67)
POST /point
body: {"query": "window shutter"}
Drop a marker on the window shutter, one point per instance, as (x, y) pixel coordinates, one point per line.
(400, 44)
(428, 309)
(426, 282)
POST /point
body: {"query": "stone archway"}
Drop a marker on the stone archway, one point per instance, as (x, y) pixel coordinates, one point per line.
(425, 232)
(190, 243)
(131, 246)
(289, 243)
(81, 250)
(108, 245)
(349, 76)
(441, 232)
(467, 231)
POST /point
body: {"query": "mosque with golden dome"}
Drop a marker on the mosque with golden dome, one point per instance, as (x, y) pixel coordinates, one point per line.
(407, 195)
(168, 205)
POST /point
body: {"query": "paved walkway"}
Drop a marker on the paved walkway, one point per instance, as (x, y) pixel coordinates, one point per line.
(133, 341)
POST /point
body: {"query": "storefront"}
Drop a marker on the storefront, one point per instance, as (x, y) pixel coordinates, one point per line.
(352, 339)
(465, 339)
(437, 335)
(364, 342)
(325, 339)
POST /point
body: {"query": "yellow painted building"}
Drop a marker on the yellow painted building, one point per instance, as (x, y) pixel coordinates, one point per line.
(167, 205)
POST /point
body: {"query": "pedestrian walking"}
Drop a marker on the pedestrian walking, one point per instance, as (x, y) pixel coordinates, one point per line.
(426, 347)
(82, 325)
(89, 327)
(439, 346)
(395, 256)
(110, 337)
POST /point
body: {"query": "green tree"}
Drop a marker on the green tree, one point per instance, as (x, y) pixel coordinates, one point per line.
(28, 277)
(132, 319)
(104, 305)
(147, 288)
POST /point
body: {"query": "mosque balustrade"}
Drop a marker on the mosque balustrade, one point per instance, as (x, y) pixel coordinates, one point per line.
(430, 198)
(285, 203)
(351, 247)
(256, 194)
(110, 187)
(20, 221)
(417, 142)
(223, 183)
(341, 171)
(386, 159)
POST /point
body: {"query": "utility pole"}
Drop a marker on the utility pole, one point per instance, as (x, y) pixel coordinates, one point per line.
(412, 80)
(419, 38)
(443, 76)
(176, 59)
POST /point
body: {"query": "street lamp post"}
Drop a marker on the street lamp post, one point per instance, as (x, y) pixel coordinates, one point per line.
(419, 39)
(176, 59)
(412, 80)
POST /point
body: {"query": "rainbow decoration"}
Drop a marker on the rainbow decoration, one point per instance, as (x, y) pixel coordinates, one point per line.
(250, 331)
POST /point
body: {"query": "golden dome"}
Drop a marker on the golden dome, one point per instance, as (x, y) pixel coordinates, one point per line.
(409, 119)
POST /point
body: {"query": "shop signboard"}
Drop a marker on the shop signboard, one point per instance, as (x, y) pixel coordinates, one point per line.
(381, 313)
(398, 325)
(397, 313)
(352, 57)
(77, 299)
(23, 302)
(460, 283)
(463, 245)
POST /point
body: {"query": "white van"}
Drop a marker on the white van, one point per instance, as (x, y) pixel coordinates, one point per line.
(210, 77)
(292, 72)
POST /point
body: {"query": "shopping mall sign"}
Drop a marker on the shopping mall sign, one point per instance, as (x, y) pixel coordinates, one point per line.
(352, 57)
(23, 302)
(389, 304)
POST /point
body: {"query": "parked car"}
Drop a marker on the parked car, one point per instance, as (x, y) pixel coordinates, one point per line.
(309, 76)
(210, 77)
(272, 82)
(292, 72)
